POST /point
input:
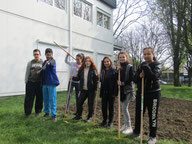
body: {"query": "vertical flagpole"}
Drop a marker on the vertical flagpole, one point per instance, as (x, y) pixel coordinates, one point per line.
(142, 98)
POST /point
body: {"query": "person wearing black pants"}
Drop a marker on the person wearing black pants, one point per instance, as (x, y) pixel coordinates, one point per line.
(107, 91)
(150, 71)
(33, 89)
(87, 75)
(83, 96)
(33, 85)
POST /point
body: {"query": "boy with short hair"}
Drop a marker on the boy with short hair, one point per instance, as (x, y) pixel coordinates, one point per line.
(50, 81)
(33, 85)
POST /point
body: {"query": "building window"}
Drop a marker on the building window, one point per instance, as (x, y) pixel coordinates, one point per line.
(50, 2)
(61, 4)
(103, 20)
(83, 9)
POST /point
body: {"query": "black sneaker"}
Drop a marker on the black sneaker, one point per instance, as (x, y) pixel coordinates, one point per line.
(104, 123)
(134, 135)
(54, 118)
(110, 125)
(77, 118)
(46, 115)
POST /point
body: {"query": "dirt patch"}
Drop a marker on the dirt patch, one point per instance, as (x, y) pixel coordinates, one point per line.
(174, 122)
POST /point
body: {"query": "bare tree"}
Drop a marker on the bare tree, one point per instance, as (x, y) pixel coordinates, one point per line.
(150, 33)
(127, 13)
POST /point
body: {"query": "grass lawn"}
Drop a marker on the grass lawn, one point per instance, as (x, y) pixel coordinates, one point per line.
(15, 129)
(183, 92)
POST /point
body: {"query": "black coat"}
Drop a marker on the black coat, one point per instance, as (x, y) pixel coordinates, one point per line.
(92, 79)
(151, 80)
(111, 82)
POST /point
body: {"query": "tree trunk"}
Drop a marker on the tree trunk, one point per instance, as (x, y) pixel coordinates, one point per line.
(176, 73)
(189, 75)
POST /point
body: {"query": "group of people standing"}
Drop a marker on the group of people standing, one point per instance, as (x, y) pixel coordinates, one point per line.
(41, 80)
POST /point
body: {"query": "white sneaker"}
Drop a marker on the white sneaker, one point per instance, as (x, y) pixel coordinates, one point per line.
(123, 128)
(128, 131)
(152, 140)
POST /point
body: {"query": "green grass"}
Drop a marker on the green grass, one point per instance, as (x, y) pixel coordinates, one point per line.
(15, 129)
(183, 92)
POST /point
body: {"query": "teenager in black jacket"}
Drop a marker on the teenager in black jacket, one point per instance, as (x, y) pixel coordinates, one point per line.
(87, 75)
(150, 71)
(107, 90)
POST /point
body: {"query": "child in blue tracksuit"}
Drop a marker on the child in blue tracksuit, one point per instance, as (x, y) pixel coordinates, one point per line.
(50, 81)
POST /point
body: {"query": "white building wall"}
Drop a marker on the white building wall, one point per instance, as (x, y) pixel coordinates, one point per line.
(29, 24)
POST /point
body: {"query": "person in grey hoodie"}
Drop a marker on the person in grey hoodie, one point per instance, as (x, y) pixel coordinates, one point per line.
(33, 85)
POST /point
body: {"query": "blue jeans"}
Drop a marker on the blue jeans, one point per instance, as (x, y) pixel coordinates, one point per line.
(50, 99)
(77, 89)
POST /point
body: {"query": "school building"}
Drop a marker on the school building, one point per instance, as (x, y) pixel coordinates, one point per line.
(80, 26)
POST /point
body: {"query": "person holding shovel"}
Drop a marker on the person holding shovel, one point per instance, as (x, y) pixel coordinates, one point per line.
(33, 85)
(88, 77)
(126, 89)
(150, 71)
(50, 81)
(74, 67)
(107, 91)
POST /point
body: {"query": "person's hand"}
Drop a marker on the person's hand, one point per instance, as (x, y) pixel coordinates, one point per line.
(38, 72)
(47, 63)
(68, 54)
(142, 75)
(119, 83)
(118, 67)
(71, 76)
(96, 92)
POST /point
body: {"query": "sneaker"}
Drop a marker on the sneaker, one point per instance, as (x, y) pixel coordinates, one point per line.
(77, 118)
(46, 115)
(54, 118)
(152, 140)
(134, 135)
(104, 123)
(128, 131)
(89, 120)
(123, 128)
(109, 125)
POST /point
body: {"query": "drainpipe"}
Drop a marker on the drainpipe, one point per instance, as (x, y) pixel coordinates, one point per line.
(70, 26)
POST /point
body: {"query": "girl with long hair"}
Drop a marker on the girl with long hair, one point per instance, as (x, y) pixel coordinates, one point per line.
(88, 77)
(107, 90)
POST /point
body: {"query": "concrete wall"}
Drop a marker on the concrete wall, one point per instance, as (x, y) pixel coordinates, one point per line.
(26, 25)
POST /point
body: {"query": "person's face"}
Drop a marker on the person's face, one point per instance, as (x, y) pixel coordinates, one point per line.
(48, 56)
(78, 60)
(107, 63)
(87, 62)
(36, 55)
(148, 55)
(122, 58)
